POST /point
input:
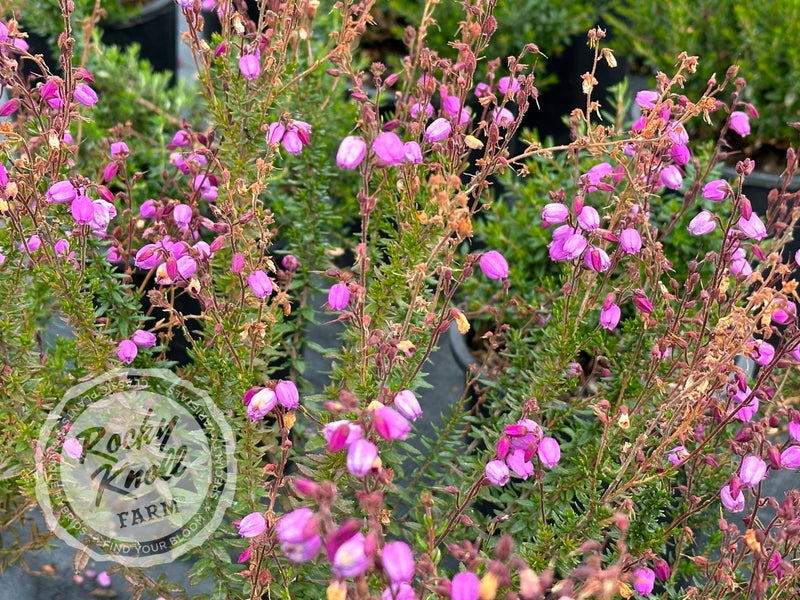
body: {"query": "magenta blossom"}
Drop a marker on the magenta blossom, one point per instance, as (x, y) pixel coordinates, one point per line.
(85, 95)
(702, 224)
(671, 177)
(647, 98)
(465, 586)
(127, 351)
(733, 504)
(389, 148)
(398, 562)
(248, 66)
(405, 401)
(609, 316)
(596, 259)
(753, 471)
(297, 533)
(753, 227)
(143, 339)
(61, 192)
(506, 84)
(82, 209)
(740, 122)
(717, 190)
(502, 117)
(630, 241)
(341, 434)
(790, 457)
(413, 153)
(643, 580)
(588, 218)
(389, 423)
(261, 403)
(252, 525)
(361, 455)
(351, 152)
(351, 558)
(496, 472)
(494, 265)
(338, 296)
(438, 130)
(554, 213)
(73, 448)
(549, 452)
(260, 284)
(287, 394)
(677, 455)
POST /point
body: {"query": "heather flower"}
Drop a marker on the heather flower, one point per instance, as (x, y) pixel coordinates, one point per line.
(389, 423)
(549, 452)
(148, 209)
(275, 132)
(418, 109)
(406, 403)
(143, 339)
(790, 457)
(702, 224)
(119, 149)
(73, 448)
(82, 209)
(610, 315)
(290, 262)
(671, 177)
(746, 412)
(413, 152)
(287, 394)
(389, 148)
(680, 154)
(338, 296)
(641, 302)
(248, 66)
(291, 142)
(764, 352)
(502, 117)
(740, 123)
(646, 98)
(594, 177)
(589, 218)
(753, 227)
(398, 562)
(61, 192)
(630, 241)
(496, 472)
(597, 260)
(504, 84)
(182, 214)
(438, 130)
(351, 559)
(753, 471)
(126, 351)
(61, 247)
(261, 403)
(554, 213)
(739, 264)
(181, 139)
(717, 190)
(340, 434)
(252, 525)
(9, 107)
(661, 569)
(297, 533)
(794, 430)
(677, 455)
(728, 501)
(361, 456)
(102, 213)
(518, 463)
(103, 579)
(260, 284)
(567, 247)
(494, 265)
(465, 586)
(677, 134)
(85, 95)
(351, 152)
(643, 580)
(482, 89)
(402, 591)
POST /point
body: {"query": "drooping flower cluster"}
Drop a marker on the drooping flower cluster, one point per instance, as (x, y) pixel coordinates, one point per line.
(518, 445)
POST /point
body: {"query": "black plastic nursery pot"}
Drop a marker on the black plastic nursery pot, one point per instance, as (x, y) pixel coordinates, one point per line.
(154, 29)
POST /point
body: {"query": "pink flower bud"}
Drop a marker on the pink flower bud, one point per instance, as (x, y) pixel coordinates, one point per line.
(260, 284)
(248, 66)
(143, 339)
(287, 394)
(680, 154)
(597, 260)
(643, 580)
(260, 403)
(360, 457)
(237, 263)
(290, 262)
(641, 302)
(753, 471)
(82, 209)
(338, 296)
(717, 190)
(126, 351)
(494, 265)
(733, 504)
(497, 472)
(661, 569)
(407, 404)
(252, 525)
(351, 152)
(390, 424)
(389, 148)
(465, 586)
(630, 241)
(85, 95)
(702, 224)
(438, 130)
(73, 448)
(9, 107)
(341, 434)
(103, 579)
(740, 123)
(398, 562)
(549, 452)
